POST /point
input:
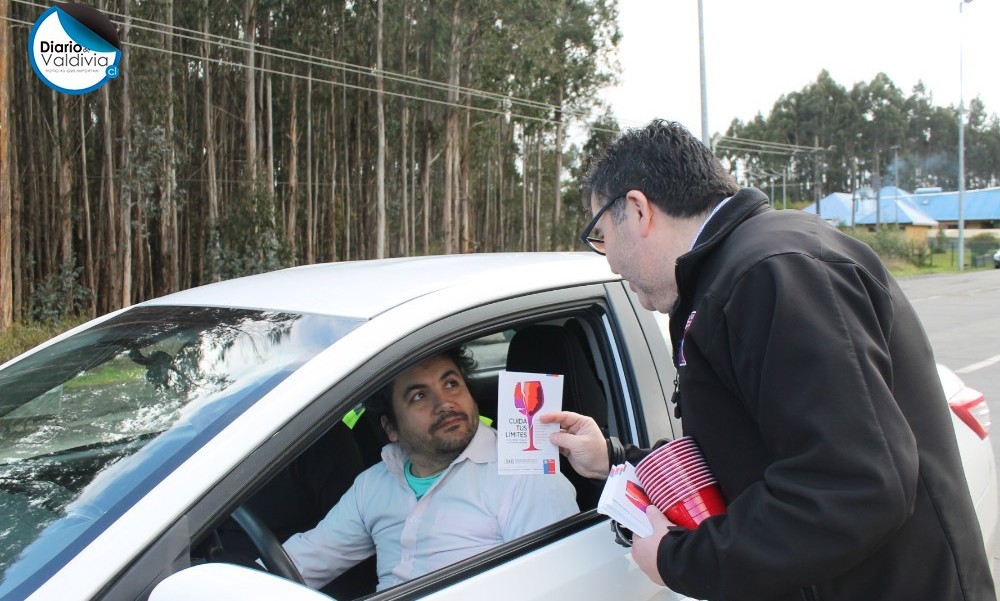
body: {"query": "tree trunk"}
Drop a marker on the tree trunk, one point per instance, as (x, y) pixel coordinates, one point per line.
(6, 226)
(425, 172)
(65, 189)
(425, 184)
(451, 127)
(270, 135)
(404, 227)
(250, 113)
(380, 160)
(169, 246)
(292, 201)
(122, 272)
(310, 257)
(88, 241)
(347, 176)
(537, 225)
(557, 196)
(332, 221)
(210, 166)
(525, 147)
(465, 186)
(359, 196)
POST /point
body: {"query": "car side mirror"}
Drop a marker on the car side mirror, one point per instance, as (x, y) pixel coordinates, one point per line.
(224, 581)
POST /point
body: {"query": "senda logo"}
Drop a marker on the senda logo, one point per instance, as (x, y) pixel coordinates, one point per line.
(74, 49)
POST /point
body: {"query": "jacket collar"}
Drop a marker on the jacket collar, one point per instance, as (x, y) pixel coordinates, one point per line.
(745, 204)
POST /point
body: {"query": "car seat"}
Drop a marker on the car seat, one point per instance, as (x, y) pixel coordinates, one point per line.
(555, 349)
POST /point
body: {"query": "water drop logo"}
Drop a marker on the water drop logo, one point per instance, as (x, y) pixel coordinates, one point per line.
(74, 49)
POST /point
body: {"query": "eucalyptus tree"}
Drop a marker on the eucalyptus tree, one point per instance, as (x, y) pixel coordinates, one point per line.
(6, 273)
(883, 121)
(982, 140)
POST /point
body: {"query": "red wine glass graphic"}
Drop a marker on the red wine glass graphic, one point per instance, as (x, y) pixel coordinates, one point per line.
(528, 400)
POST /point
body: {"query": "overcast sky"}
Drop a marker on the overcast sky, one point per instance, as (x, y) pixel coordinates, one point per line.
(758, 50)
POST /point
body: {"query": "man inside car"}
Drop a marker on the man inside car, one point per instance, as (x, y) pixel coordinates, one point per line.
(436, 497)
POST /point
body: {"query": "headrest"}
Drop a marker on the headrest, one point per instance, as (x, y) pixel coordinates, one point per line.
(553, 349)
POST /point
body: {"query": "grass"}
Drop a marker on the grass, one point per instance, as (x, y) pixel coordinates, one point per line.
(946, 262)
(110, 373)
(23, 336)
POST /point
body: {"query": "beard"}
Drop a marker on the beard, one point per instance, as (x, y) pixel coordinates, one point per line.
(455, 438)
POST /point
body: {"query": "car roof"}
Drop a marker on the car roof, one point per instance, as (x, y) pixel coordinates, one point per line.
(364, 289)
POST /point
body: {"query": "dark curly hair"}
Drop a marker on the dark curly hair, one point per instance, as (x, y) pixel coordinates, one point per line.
(674, 169)
(380, 403)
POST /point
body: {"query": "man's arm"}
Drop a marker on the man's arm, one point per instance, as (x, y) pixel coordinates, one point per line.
(339, 541)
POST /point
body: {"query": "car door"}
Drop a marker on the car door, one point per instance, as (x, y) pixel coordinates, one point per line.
(574, 558)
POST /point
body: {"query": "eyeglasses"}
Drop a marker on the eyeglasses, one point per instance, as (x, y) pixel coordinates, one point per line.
(596, 243)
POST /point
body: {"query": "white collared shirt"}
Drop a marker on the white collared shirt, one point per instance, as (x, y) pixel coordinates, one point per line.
(707, 219)
(470, 509)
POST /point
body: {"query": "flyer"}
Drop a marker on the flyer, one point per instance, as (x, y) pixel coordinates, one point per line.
(523, 445)
(624, 500)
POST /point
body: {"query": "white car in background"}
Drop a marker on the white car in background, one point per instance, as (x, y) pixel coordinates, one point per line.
(143, 451)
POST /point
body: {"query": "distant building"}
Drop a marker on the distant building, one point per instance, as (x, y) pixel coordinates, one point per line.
(920, 215)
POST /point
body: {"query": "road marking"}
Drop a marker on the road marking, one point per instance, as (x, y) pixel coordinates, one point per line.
(978, 366)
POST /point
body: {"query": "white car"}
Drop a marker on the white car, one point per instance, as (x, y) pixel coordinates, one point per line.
(142, 451)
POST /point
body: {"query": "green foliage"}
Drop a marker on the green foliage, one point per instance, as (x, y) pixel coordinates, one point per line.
(895, 245)
(982, 244)
(251, 240)
(60, 296)
(863, 130)
(940, 244)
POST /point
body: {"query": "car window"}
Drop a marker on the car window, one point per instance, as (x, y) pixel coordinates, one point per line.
(90, 423)
(298, 497)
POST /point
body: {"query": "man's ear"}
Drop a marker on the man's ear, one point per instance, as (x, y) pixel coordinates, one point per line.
(641, 208)
(390, 430)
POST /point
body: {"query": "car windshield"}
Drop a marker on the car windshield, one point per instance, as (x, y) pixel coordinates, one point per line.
(91, 423)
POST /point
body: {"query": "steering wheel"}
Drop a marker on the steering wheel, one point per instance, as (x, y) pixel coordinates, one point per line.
(272, 554)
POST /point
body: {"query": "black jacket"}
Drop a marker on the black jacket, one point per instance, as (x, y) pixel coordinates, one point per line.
(810, 385)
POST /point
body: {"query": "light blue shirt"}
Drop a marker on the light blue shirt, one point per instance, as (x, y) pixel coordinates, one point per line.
(469, 510)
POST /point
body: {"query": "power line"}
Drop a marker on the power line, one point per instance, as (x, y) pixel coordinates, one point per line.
(222, 62)
(309, 59)
(764, 145)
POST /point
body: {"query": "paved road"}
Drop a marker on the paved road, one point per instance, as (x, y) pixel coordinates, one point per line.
(961, 314)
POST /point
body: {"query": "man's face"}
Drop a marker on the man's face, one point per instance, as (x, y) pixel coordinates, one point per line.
(436, 416)
(643, 248)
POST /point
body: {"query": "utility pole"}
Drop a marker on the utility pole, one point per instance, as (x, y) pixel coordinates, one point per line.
(704, 83)
(961, 138)
(895, 177)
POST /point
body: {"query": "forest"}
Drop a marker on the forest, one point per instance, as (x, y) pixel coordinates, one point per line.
(828, 138)
(248, 135)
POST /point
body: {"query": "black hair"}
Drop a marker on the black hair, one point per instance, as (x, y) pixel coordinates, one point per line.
(380, 403)
(674, 169)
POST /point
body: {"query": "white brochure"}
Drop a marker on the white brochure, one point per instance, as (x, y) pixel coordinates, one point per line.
(523, 445)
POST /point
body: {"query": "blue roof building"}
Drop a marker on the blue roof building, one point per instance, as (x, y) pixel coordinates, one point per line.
(921, 211)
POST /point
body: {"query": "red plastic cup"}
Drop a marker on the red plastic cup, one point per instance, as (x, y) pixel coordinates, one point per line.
(667, 496)
(668, 450)
(696, 507)
(664, 462)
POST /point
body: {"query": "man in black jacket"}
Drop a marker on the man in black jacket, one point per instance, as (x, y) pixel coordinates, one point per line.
(805, 376)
